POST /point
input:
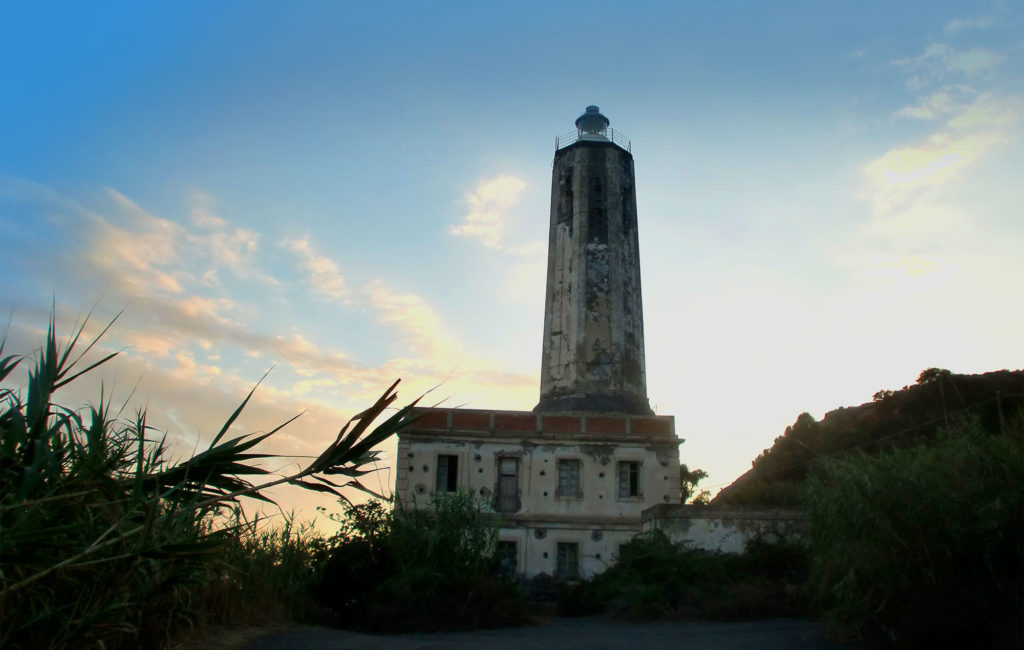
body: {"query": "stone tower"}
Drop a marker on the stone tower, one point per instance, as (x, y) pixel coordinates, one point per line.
(593, 355)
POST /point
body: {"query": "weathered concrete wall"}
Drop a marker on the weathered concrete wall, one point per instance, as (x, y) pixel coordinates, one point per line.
(593, 350)
(596, 517)
(723, 528)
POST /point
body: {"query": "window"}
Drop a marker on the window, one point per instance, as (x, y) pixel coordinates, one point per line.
(508, 558)
(629, 479)
(568, 561)
(507, 494)
(447, 473)
(568, 478)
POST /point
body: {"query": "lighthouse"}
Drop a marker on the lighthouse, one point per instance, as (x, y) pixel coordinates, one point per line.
(593, 348)
(572, 478)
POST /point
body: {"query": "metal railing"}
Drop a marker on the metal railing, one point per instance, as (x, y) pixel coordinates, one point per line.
(610, 135)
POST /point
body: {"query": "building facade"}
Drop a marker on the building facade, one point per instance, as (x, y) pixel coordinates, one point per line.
(571, 478)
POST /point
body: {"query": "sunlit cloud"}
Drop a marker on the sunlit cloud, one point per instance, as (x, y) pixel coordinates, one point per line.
(417, 325)
(324, 277)
(487, 218)
(971, 131)
(931, 163)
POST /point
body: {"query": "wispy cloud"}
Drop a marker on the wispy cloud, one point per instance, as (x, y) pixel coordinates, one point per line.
(202, 210)
(188, 327)
(488, 205)
(921, 229)
(973, 122)
(976, 22)
(931, 106)
(940, 62)
(324, 277)
(418, 326)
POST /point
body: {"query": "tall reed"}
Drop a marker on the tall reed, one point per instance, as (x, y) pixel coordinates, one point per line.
(104, 541)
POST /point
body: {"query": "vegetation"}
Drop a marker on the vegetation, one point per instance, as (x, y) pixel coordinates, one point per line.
(923, 547)
(105, 542)
(688, 480)
(655, 578)
(893, 420)
(916, 537)
(422, 569)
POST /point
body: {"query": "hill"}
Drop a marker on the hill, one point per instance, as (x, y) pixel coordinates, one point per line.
(892, 419)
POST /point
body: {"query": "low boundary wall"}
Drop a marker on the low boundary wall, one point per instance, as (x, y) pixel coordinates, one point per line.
(726, 529)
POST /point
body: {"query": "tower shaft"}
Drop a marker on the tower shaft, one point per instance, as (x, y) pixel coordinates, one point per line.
(593, 354)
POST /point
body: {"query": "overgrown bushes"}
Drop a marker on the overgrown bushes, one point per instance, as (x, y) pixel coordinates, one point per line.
(922, 546)
(655, 578)
(418, 569)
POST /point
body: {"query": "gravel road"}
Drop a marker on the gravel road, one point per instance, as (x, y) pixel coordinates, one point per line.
(592, 633)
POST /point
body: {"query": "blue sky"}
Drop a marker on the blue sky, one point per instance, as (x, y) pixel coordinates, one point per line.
(829, 198)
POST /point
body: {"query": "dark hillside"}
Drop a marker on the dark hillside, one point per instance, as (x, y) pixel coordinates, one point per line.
(893, 419)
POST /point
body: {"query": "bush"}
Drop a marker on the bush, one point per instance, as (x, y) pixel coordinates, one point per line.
(419, 569)
(922, 547)
(655, 578)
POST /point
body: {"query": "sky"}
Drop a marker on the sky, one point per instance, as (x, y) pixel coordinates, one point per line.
(829, 199)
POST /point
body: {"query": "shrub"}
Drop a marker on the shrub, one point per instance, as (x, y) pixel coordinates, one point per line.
(922, 546)
(655, 578)
(419, 569)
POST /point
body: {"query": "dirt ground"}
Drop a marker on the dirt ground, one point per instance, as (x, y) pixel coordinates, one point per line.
(592, 633)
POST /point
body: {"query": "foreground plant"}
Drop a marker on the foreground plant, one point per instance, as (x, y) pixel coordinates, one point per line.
(103, 540)
(923, 547)
(407, 569)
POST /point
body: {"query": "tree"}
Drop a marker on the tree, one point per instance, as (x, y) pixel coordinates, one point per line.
(688, 481)
(932, 374)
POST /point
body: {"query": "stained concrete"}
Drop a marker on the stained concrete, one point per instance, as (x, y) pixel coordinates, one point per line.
(593, 350)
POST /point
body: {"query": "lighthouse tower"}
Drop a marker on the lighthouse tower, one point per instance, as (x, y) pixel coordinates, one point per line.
(574, 478)
(593, 350)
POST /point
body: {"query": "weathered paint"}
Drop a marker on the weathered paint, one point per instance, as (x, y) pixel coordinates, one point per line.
(597, 518)
(593, 349)
(726, 529)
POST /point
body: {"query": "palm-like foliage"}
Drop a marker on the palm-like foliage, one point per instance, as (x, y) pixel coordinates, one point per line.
(102, 539)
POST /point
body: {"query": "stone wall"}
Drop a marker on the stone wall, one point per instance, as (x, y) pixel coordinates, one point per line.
(723, 528)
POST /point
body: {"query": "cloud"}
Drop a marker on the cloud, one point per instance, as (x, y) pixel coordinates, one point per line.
(223, 245)
(940, 62)
(958, 25)
(974, 61)
(488, 203)
(972, 130)
(930, 107)
(202, 211)
(935, 162)
(417, 324)
(136, 258)
(199, 339)
(325, 278)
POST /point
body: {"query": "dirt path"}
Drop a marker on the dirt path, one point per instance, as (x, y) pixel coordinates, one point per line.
(591, 633)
